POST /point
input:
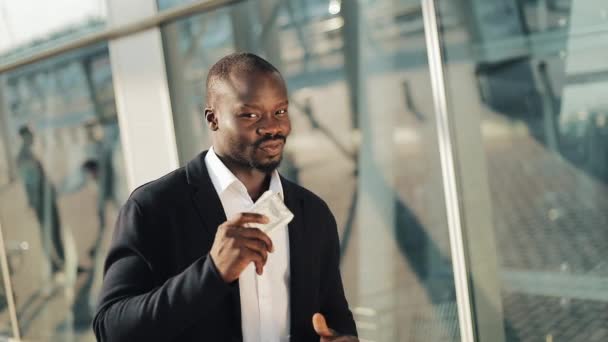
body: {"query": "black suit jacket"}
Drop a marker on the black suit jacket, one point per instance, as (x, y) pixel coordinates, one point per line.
(160, 285)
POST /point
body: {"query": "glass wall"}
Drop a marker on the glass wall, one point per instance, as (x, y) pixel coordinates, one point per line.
(6, 327)
(70, 20)
(165, 4)
(525, 83)
(363, 138)
(62, 181)
(529, 78)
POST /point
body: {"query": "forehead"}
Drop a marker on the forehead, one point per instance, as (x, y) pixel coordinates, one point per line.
(251, 87)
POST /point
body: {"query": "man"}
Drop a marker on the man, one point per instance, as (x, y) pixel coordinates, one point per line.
(177, 270)
(42, 198)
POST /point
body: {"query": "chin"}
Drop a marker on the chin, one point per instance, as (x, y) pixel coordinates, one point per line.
(267, 166)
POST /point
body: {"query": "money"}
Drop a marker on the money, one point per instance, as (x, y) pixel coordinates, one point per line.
(271, 205)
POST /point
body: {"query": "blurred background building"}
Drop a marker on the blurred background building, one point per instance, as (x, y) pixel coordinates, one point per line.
(461, 144)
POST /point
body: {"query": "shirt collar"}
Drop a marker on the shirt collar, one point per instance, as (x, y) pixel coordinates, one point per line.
(222, 178)
(275, 184)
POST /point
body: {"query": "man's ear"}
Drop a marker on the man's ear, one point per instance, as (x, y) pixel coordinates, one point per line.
(211, 118)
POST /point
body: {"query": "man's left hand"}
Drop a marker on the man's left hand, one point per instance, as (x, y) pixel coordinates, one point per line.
(326, 334)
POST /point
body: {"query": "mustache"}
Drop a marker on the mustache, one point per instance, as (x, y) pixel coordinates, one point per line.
(270, 138)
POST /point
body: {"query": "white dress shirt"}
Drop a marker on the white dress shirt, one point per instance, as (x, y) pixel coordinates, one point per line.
(264, 299)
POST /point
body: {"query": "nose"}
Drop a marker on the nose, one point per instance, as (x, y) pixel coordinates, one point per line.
(270, 126)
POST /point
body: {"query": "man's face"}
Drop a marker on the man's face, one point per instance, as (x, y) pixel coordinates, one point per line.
(249, 120)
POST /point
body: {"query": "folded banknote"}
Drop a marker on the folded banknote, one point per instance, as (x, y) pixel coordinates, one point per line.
(271, 205)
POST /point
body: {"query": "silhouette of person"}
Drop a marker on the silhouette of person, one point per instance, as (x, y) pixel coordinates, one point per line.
(42, 198)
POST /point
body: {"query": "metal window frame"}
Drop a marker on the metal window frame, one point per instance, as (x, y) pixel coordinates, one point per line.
(448, 171)
(4, 266)
(114, 32)
(8, 287)
(467, 199)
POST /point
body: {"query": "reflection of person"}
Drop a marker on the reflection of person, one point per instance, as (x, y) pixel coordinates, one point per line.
(103, 172)
(42, 198)
(177, 270)
(97, 164)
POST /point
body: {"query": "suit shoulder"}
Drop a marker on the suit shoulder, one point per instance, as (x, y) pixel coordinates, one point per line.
(309, 198)
(166, 188)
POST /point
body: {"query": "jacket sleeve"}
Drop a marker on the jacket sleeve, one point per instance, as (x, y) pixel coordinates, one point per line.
(333, 302)
(133, 307)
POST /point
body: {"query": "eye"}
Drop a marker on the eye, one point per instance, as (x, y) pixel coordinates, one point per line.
(249, 115)
(281, 112)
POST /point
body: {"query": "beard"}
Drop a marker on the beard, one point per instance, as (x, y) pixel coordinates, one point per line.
(266, 167)
(245, 155)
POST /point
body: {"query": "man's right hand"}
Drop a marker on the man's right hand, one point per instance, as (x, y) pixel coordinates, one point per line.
(236, 245)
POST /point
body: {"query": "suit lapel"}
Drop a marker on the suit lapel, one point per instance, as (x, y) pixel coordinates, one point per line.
(297, 259)
(210, 210)
(204, 197)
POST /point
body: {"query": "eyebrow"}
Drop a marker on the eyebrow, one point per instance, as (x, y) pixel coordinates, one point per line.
(250, 106)
(282, 103)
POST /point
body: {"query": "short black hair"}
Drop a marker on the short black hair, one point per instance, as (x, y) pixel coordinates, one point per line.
(24, 130)
(239, 61)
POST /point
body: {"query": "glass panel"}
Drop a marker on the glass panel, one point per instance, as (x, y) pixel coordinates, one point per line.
(62, 179)
(534, 72)
(363, 138)
(70, 20)
(6, 326)
(165, 4)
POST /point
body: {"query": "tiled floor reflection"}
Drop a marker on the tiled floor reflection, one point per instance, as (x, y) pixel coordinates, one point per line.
(550, 218)
(59, 308)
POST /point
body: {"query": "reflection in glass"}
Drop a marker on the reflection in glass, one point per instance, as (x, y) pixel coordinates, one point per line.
(166, 4)
(42, 199)
(6, 326)
(71, 19)
(363, 138)
(61, 188)
(535, 73)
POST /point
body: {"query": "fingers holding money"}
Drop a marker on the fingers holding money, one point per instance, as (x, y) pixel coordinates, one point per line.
(257, 252)
(271, 205)
(247, 256)
(257, 234)
(243, 219)
(235, 246)
(255, 240)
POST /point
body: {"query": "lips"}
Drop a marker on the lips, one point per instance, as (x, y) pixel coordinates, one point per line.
(272, 147)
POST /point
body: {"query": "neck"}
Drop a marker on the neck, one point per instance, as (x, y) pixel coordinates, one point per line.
(256, 182)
